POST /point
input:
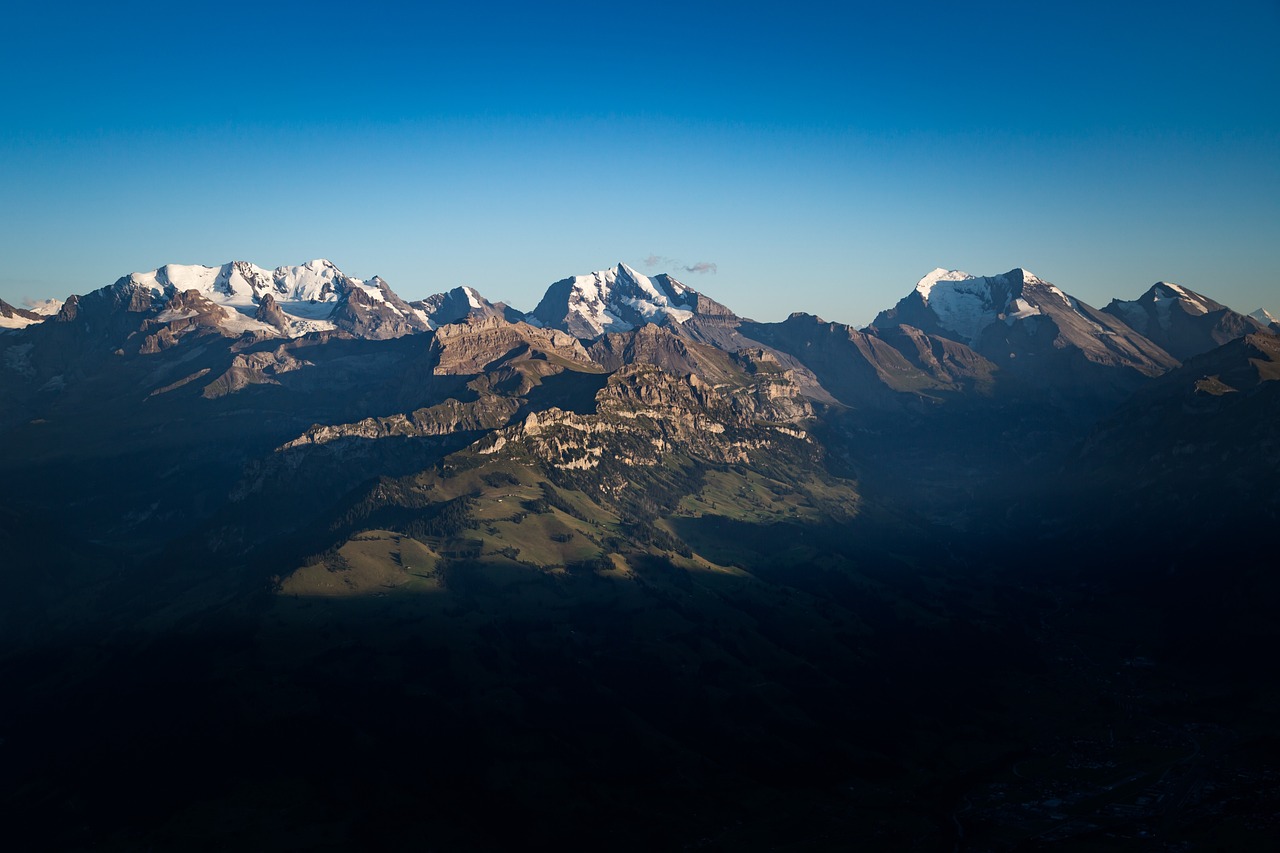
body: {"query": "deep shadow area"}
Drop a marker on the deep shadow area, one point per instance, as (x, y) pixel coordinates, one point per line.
(869, 694)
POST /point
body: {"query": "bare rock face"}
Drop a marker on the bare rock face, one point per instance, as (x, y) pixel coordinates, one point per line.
(467, 348)
(859, 369)
(487, 413)
(660, 347)
(376, 319)
(269, 312)
(255, 368)
(645, 412)
(122, 297)
(184, 313)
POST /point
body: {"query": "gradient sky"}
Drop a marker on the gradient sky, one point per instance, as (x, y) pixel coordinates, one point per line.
(821, 158)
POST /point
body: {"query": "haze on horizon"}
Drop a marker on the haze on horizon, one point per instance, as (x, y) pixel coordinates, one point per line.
(817, 160)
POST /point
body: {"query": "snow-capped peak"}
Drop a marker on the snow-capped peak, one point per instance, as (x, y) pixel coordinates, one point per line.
(614, 300)
(1264, 317)
(925, 286)
(50, 307)
(306, 294)
(963, 305)
(457, 305)
(1192, 302)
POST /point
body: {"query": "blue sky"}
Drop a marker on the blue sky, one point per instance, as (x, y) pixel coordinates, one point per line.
(821, 157)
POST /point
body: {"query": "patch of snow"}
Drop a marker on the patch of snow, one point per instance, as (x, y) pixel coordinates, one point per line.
(1166, 294)
(679, 287)
(1020, 309)
(238, 324)
(1053, 288)
(376, 294)
(472, 297)
(307, 310)
(43, 307)
(169, 315)
(303, 318)
(424, 317)
(925, 285)
(962, 303)
(315, 280)
(1163, 301)
(1191, 302)
(617, 322)
(1133, 315)
(590, 298)
(605, 299)
(17, 322)
(178, 276)
(645, 283)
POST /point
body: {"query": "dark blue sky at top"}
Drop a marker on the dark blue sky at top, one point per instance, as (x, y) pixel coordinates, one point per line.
(822, 156)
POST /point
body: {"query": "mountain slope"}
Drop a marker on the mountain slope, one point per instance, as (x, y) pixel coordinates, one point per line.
(1181, 321)
(861, 369)
(1201, 443)
(1026, 325)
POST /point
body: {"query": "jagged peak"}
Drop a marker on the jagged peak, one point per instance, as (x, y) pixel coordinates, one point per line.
(614, 300)
(1167, 293)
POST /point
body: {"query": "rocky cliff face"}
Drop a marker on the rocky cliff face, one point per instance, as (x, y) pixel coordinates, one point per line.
(376, 318)
(466, 348)
(644, 413)
(269, 312)
(452, 416)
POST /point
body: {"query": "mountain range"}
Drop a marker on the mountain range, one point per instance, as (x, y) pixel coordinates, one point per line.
(627, 529)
